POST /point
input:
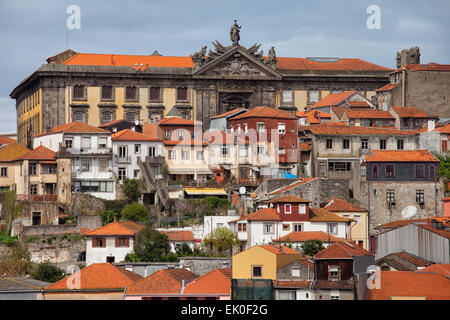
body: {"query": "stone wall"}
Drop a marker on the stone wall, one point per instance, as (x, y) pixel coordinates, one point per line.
(203, 265)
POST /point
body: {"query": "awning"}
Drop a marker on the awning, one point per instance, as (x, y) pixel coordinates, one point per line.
(255, 169)
(288, 175)
(205, 191)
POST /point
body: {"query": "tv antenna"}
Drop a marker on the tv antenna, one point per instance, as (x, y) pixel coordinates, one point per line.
(409, 212)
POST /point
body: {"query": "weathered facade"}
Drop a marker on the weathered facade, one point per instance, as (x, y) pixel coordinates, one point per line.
(104, 87)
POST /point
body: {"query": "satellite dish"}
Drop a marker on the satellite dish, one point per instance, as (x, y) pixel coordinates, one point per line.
(242, 190)
(409, 212)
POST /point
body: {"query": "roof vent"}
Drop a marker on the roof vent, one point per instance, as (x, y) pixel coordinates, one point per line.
(323, 59)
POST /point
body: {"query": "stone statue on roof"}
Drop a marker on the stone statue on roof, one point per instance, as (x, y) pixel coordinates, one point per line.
(234, 33)
(272, 58)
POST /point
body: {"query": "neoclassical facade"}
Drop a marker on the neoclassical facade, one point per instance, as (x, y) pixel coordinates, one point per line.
(98, 88)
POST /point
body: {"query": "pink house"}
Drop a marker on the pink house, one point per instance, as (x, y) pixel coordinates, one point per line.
(447, 207)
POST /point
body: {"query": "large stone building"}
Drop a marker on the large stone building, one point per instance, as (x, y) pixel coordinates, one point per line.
(97, 88)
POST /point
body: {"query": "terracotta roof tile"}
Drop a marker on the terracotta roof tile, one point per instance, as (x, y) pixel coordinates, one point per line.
(358, 104)
(6, 140)
(217, 281)
(130, 135)
(280, 250)
(339, 130)
(75, 127)
(339, 205)
(152, 130)
(443, 129)
(179, 235)
(321, 214)
(401, 223)
(176, 121)
(432, 66)
(400, 156)
(309, 235)
(443, 269)
(431, 286)
(266, 214)
(342, 250)
(264, 112)
(228, 113)
(313, 116)
(388, 87)
(123, 228)
(12, 152)
(293, 284)
(412, 112)
(289, 198)
(39, 153)
(368, 114)
(333, 99)
(341, 64)
(99, 276)
(164, 281)
(332, 284)
(415, 260)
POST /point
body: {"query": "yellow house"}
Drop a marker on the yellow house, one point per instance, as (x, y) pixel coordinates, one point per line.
(359, 229)
(262, 261)
(10, 165)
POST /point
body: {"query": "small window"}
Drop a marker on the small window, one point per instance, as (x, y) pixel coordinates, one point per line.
(185, 155)
(301, 208)
(131, 116)
(400, 144)
(68, 143)
(182, 94)
(260, 150)
(137, 148)
(86, 165)
(199, 155)
(131, 93)
(102, 141)
(152, 152)
(33, 189)
(286, 227)
(256, 271)
(172, 154)
(357, 218)
(364, 144)
(122, 173)
(390, 196)
(261, 127)
(155, 94)
(102, 165)
(106, 117)
(32, 169)
(287, 96)
(78, 92)
(390, 170)
(329, 143)
(383, 144)
(78, 116)
(282, 128)
(107, 93)
(346, 143)
(419, 170)
(332, 228)
(166, 134)
(136, 173)
(420, 196)
(4, 172)
(375, 171)
(295, 272)
(268, 228)
(298, 227)
(432, 173)
(313, 96)
(287, 208)
(225, 151)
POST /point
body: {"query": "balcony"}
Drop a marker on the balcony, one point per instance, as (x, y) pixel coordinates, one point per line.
(123, 160)
(85, 151)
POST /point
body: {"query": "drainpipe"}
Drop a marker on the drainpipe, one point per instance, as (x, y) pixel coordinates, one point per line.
(403, 86)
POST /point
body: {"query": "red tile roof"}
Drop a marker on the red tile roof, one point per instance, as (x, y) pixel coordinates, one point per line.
(333, 99)
(162, 282)
(188, 142)
(339, 205)
(75, 127)
(12, 152)
(368, 114)
(341, 64)
(358, 104)
(412, 112)
(266, 214)
(215, 282)
(293, 284)
(342, 250)
(6, 140)
(339, 130)
(400, 156)
(264, 112)
(39, 153)
(226, 114)
(176, 121)
(291, 186)
(321, 214)
(388, 87)
(431, 286)
(432, 66)
(279, 250)
(309, 235)
(152, 130)
(179, 236)
(122, 228)
(130, 135)
(443, 129)
(99, 276)
(289, 198)
(443, 269)
(313, 116)
(305, 146)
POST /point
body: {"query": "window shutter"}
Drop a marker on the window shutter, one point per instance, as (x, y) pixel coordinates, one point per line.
(104, 242)
(127, 243)
(94, 243)
(117, 242)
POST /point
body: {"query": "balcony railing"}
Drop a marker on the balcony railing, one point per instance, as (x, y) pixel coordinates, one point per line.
(119, 159)
(37, 197)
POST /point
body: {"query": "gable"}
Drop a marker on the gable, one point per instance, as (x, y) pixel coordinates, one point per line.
(237, 64)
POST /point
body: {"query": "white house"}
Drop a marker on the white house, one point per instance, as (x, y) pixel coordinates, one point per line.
(90, 150)
(128, 146)
(286, 215)
(112, 242)
(210, 223)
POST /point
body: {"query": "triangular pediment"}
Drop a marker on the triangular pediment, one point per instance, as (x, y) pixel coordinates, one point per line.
(236, 64)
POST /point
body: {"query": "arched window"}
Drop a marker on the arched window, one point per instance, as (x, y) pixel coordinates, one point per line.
(375, 171)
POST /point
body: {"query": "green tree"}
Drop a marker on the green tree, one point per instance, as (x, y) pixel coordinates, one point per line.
(184, 250)
(311, 247)
(108, 216)
(444, 167)
(132, 189)
(11, 209)
(150, 245)
(221, 240)
(135, 212)
(48, 272)
(16, 260)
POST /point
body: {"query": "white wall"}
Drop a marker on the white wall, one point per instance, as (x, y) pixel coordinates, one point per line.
(98, 255)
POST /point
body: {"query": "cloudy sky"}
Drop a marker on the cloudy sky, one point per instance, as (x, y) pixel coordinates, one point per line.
(31, 31)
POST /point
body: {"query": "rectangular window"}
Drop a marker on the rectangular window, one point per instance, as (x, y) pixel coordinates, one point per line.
(268, 228)
(364, 144)
(85, 142)
(199, 155)
(346, 144)
(260, 150)
(33, 189)
(152, 152)
(261, 127)
(333, 272)
(287, 209)
(444, 145)
(256, 271)
(185, 155)
(103, 165)
(86, 165)
(282, 128)
(329, 143)
(122, 173)
(155, 94)
(419, 170)
(432, 173)
(68, 143)
(4, 172)
(107, 93)
(99, 243)
(32, 169)
(420, 196)
(286, 227)
(224, 151)
(301, 208)
(298, 227)
(313, 96)
(182, 94)
(339, 166)
(79, 116)
(136, 173)
(78, 92)
(131, 116)
(332, 228)
(49, 169)
(102, 142)
(287, 96)
(123, 152)
(122, 242)
(389, 170)
(383, 144)
(166, 134)
(130, 93)
(295, 272)
(242, 227)
(390, 196)
(172, 154)
(287, 295)
(357, 218)
(282, 151)
(137, 148)
(399, 144)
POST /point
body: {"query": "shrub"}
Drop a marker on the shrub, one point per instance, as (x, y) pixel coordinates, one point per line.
(135, 212)
(48, 272)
